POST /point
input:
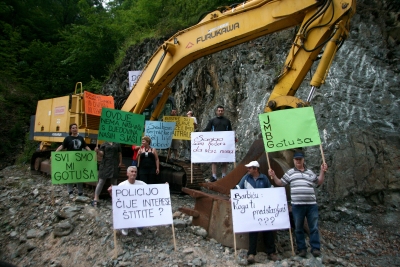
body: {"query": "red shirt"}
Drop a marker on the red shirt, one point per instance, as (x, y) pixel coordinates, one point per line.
(135, 152)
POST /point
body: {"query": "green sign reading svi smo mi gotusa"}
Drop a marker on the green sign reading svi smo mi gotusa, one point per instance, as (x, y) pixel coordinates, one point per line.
(73, 167)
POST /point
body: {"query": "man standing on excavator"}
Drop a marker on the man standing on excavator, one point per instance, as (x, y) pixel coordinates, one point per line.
(254, 179)
(219, 123)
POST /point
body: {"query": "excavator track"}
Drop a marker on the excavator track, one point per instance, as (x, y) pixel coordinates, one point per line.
(179, 174)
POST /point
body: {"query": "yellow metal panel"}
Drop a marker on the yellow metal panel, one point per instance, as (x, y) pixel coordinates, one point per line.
(59, 121)
(43, 114)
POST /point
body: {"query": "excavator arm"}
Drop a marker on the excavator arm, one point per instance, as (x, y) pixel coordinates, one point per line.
(324, 23)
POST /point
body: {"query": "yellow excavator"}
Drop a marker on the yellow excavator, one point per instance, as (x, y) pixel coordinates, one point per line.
(323, 27)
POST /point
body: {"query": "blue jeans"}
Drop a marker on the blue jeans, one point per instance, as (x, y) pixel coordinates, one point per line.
(311, 213)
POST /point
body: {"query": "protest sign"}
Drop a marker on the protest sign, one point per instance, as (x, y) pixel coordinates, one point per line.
(94, 103)
(133, 78)
(184, 126)
(289, 128)
(259, 209)
(160, 133)
(141, 205)
(213, 147)
(121, 127)
(69, 167)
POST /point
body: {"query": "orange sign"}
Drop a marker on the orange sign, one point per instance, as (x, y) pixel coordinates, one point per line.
(94, 103)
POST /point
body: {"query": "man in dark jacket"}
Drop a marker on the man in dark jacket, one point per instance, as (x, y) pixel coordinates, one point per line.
(252, 180)
(219, 123)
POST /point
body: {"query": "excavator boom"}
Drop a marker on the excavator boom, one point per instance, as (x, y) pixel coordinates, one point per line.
(245, 22)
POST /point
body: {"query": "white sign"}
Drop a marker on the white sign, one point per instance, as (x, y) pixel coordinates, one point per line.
(213, 147)
(133, 77)
(141, 205)
(259, 209)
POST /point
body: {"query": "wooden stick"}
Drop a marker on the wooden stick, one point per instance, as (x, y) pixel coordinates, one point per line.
(52, 196)
(269, 165)
(291, 240)
(322, 153)
(173, 235)
(115, 245)
(191, 172)
(234, 243)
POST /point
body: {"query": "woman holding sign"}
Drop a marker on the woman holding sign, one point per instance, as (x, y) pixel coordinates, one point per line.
(109, 166)
(74, 142)
(148, 162)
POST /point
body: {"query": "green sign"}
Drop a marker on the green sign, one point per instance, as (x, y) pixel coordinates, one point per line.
(69, 167)
(289, 128)
(121, 126)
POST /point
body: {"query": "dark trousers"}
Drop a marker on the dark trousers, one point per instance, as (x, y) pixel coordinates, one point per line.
(269, 242)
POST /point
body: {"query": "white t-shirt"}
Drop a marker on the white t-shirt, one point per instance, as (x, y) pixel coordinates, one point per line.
(137, 182)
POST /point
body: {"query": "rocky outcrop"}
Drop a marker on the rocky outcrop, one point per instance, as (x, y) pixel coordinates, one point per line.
(357, 109)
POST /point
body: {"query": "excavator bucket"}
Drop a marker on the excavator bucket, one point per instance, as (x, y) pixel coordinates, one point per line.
(212, 211)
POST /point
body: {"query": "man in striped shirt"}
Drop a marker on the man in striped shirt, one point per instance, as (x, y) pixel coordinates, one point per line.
(304, 205)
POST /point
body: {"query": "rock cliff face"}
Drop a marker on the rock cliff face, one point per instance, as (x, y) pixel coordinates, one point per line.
(357, 110)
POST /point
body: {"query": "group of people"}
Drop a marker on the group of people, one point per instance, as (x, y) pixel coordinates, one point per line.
(302, 182)
(145, 166)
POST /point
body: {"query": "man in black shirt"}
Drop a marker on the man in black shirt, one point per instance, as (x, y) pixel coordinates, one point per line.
(219, 123)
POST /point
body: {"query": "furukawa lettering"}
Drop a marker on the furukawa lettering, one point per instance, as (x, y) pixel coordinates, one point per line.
(215, 33)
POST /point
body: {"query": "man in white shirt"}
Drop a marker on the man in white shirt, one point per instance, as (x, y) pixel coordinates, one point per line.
(131, 172)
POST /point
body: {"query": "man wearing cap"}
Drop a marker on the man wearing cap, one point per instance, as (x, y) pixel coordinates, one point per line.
(254, 179)
(304, 205)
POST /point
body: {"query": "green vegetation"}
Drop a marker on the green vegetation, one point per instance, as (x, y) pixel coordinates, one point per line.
(46, 46)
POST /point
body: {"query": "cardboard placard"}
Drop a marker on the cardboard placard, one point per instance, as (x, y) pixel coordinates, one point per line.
(289, 128)
(160, 133)
(259, 209)
(213, 147)
(69, 167)
(121, 127)
(141, 205)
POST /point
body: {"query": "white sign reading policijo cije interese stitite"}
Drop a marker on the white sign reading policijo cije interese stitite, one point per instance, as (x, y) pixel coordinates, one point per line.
(259, 209)
(141, 205)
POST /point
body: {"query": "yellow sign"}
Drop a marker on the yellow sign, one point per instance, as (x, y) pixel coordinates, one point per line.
(184, 126)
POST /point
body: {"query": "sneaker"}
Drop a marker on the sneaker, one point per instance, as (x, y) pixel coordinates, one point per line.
(303, 253)
(137, 232)
(213, 179)
(273, 257)
(71, 195)
(316, 253)
(124, 231)
(250, 259)
(80, 194)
